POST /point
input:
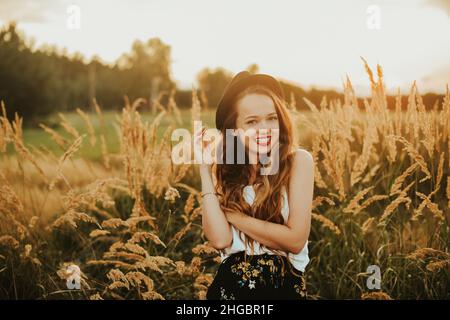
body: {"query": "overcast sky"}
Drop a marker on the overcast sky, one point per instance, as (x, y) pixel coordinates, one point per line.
(308, 42)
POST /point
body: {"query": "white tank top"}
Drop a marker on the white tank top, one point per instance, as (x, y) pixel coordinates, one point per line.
(299, 260)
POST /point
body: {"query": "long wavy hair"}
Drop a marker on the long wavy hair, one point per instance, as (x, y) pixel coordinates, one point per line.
(232, 178)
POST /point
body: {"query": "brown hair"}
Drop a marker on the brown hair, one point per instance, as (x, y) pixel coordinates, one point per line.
(232, 178)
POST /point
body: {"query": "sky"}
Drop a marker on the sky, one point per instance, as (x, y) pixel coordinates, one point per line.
(310, 43)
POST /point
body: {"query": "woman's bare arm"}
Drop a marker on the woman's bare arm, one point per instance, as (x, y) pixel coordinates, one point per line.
(292, 236)
(215, 225)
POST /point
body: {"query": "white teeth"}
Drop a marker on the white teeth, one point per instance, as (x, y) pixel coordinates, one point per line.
(263, 140)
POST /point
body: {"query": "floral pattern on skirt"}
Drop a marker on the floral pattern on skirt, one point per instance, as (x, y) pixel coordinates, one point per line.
(263, 276)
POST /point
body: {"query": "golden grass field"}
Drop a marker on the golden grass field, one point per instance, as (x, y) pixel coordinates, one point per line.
(102, 193)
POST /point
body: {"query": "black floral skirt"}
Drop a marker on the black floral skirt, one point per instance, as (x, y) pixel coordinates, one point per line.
(257, 277)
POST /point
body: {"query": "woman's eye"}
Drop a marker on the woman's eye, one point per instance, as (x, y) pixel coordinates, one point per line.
(273, 118)
(251, 122)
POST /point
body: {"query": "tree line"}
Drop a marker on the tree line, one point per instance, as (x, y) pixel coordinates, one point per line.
(35, 82)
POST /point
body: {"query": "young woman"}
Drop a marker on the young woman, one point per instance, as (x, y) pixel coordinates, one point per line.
(260, 223)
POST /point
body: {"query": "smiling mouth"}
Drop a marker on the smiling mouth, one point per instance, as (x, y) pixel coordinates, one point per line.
(263, 140)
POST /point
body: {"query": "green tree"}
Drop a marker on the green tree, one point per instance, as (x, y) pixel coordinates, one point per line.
(213, 82)
(147, 68)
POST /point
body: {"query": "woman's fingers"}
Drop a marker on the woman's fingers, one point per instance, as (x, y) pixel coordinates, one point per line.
(204, 148)
(199, 144)
(199, 134)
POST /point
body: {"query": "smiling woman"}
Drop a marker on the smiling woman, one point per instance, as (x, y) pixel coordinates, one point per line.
(259, 222)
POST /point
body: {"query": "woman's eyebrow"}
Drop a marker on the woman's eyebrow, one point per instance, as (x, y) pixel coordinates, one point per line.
(254, 116)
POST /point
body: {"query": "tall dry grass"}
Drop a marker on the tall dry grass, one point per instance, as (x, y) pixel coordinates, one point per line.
(132, 221)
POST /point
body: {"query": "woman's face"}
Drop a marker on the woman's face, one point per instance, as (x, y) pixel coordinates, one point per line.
(258, 120)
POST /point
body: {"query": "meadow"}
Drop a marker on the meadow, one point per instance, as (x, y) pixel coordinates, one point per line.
(97, 194)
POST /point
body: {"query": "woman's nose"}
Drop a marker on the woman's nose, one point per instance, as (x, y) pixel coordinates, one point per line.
(263, 124)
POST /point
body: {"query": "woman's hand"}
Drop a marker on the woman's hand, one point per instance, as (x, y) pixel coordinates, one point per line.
(231, 215)
(203, 149)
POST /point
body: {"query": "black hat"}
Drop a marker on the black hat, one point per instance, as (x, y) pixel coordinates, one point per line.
(239, 82)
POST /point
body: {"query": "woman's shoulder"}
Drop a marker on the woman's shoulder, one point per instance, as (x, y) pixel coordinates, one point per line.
(303, 156)
(303, 164)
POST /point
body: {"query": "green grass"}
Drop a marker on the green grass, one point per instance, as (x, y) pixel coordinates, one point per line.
(38, 137)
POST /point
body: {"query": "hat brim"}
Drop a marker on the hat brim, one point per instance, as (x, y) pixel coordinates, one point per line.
(242, 81)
